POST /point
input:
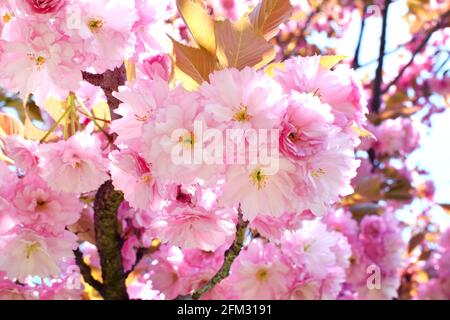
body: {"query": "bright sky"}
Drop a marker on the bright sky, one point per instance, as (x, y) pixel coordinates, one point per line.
(434, 153)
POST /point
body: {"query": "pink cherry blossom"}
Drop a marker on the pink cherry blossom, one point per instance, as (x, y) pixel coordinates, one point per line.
(196, 227)
(260, 272)
(105, 28)
(339, 87)
(75, 165)
(140, 100)
(23, 152)
(306, 127)
(242, 99)
(26, 253)
(42, 208)
(259, 191)
(131, 174)
(42, 6)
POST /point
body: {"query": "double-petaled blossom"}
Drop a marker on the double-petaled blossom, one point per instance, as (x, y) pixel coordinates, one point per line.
(26, 252)
(339, 87)
(75, 165)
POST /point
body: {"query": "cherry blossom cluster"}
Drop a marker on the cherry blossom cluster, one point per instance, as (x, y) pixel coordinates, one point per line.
(178, 219)
(438, 287)
(45, 45)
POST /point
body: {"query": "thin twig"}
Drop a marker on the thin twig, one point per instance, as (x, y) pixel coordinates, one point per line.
(86, 271)
(376, 92)
(442, 23)
(355, 63)
(230, 255)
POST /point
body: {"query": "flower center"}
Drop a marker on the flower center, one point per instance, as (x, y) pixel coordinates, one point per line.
(317, 173)
(242, 115)
(147, 178)
(262, 274)
(39, 61)
(7, 17)
(95, 24)
(187, 139)
(40, 205)
(258, 179)
(32, 248)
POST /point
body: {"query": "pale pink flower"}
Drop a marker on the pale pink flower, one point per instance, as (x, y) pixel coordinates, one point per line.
(42, 6)
(37, 59)
(306, 127)
(140, 100)
(311, 247)
(273, 228)
(322, 179)
(158, 66)
(105, 27)
(259, 190)
(23, 152)
(399, 136)
(194, 227)
(131, 174)
(27, 253)
(167, 271)
(169, 141)
(151, 29)
(260, 272)
(42, 208)
(339, 87)
(75, 165)
(242, 99)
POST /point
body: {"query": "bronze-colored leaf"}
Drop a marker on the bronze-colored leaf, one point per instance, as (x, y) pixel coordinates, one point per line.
(415, 241)
(268, 15)
(193, 64)
(200, 24)
(10, 125)
(359, 211)
(446, 207)
(239, 46)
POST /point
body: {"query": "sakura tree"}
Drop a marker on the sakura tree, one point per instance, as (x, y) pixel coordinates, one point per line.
(212, 150)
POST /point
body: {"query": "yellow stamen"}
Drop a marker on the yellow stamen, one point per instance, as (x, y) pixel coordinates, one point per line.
(259, 179)
(95, 24)
(262, 274)
(31, 248)
(242, 115)
(147, 178)
(7, 17)
(317, 173)
(187, 139)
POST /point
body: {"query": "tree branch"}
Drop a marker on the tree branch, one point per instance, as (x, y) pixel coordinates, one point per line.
(442, 23)
(109, 242)
(86, 271)
(376, 91)
(109, 81)
(355, 63)
(229, 257)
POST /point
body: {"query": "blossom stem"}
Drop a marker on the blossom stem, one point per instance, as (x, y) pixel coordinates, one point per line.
(109, 242)
(230, 255)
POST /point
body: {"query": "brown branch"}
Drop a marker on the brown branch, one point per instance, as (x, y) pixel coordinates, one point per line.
(86, 271)
(355, 63)
(442, 23)
(109, 242)
(230, 255)
(376, 91)
(109, 81)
